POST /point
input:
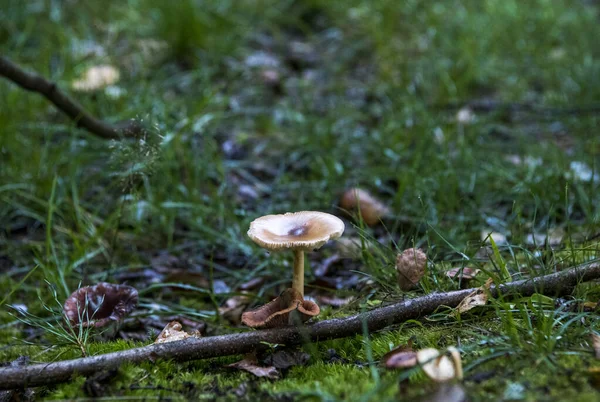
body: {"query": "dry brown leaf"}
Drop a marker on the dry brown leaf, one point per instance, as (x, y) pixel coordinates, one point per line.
(97, 77)
(250, 364)
(410, 264)
(173, 332)
(369, 207)
(478, 297)
(440, 367)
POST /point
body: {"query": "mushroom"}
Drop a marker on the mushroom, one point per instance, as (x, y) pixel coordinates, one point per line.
(100, 304)
(411, 265)
(297, 231)
(369, 207)
(282, 311)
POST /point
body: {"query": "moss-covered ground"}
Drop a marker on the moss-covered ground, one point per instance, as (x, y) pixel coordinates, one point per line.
(463, 116)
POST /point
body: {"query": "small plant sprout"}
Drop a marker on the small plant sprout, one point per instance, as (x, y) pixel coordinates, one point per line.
(297, 231)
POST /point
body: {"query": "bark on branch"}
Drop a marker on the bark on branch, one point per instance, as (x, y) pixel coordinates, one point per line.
(36, 83)
(556, 284)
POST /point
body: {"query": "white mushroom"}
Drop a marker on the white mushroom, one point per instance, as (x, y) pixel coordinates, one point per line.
(297, 231)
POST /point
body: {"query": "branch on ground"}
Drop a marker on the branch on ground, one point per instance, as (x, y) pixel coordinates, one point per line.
(36, 83)
(556, 284)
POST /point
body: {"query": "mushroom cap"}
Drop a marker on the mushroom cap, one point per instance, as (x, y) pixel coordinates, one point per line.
(306, 230)
(279, 311)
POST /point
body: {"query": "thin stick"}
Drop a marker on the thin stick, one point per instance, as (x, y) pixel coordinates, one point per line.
(36, 83)
(556, 284)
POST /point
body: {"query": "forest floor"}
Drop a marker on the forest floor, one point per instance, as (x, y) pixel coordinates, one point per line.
(467, 119)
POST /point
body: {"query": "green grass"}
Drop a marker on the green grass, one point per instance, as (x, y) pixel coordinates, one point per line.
(369, 98)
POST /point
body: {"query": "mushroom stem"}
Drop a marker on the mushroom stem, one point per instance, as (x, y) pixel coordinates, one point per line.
(298, 279)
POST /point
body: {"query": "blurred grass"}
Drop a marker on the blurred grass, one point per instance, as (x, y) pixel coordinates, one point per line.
(367, 95)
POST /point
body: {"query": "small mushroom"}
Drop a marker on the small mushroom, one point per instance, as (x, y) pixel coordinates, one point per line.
(100, 304)
(297, 231)
(369, 207)
(410, 264)
(281, 311)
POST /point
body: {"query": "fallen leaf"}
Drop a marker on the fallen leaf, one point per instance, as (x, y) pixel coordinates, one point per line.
(97, 77)
(173, 332)
(410, 264)
(478, 297)
(440, 367)
(100, 304)
(369, 207)
(250, 364)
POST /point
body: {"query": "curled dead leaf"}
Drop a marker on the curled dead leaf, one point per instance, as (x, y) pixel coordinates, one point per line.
(250, 364)
(369, 207)
(173, 332)
(100, 304)
(410, 264)
(478, 297)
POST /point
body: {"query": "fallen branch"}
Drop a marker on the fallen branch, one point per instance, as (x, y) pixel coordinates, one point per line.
(556, 284)
(36, 83)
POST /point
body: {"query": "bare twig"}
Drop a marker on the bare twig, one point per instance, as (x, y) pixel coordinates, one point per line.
(36, 83)
(203, 348)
